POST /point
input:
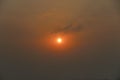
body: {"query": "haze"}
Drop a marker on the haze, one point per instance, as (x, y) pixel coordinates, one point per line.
(94, 55)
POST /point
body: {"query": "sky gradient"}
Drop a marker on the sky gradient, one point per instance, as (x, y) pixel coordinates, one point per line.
(26, 50)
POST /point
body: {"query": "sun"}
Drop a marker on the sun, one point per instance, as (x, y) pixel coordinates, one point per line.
(59, 40)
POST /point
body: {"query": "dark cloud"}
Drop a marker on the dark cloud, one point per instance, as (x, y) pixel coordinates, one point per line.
(68, 29)
(63, 29)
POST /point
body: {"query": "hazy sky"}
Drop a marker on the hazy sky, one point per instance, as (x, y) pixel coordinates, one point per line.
(25, 27)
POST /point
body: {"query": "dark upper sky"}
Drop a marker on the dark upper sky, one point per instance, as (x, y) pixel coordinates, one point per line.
(26, 50)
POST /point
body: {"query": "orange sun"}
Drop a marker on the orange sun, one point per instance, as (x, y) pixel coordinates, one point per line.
(59, 40)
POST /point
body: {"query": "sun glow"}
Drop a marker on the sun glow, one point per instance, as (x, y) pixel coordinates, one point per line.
(59, 40)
